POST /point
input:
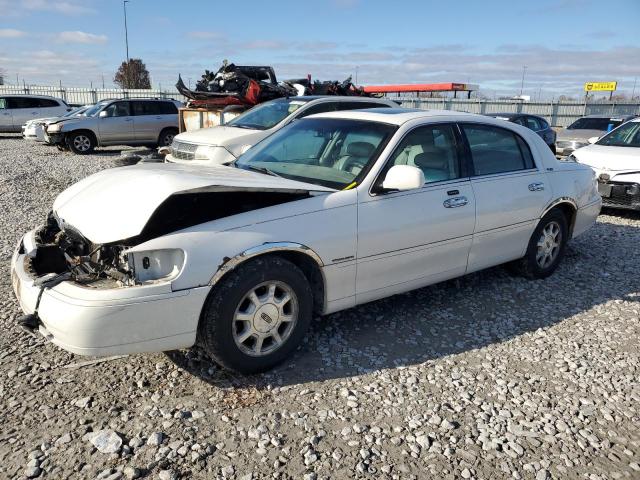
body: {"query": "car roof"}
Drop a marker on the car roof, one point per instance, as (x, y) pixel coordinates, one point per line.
(21, 95)
(623, 117)
(339, 98)
(397, 116)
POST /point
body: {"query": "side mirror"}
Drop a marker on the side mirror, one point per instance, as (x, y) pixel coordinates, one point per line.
(593, 140)
(403, 177)
(103, 114)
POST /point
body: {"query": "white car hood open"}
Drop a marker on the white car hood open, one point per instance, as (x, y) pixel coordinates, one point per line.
(115, 204)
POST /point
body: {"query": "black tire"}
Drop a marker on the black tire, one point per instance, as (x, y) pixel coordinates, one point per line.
(529, 266)
(218, 329)
(165, 138)
(81, 142)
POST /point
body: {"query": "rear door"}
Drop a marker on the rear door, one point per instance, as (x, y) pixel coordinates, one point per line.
(23, 109)
(50, 107)
(510, 190)
(6, 119)
(118, 126)
(146, 116)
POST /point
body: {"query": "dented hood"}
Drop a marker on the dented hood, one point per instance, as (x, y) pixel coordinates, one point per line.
(604, 158)
(231, 138)
(115, 204)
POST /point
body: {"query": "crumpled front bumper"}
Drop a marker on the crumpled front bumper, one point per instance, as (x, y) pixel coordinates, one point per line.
(624, 195)
(109, 321)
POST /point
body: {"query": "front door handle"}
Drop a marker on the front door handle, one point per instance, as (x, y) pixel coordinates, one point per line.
(455, 202)
(536, 187)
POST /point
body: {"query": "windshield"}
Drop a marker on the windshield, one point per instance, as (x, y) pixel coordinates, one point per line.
(266, 115)
(605, 123)
(93, 111)
(74, 112)
(333, 153)
(628, 135)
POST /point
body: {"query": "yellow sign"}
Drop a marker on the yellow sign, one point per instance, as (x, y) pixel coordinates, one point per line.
(600, 86)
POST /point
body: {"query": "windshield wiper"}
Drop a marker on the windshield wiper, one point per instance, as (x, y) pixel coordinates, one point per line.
(264, 170)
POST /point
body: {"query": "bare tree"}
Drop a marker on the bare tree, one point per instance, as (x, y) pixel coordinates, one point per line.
(133, 74)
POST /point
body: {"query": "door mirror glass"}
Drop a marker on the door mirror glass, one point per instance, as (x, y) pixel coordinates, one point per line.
(593, 140)
(103, 114)
(403, 177)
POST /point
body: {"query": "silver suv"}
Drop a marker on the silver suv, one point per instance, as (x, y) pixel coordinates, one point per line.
(132, 122)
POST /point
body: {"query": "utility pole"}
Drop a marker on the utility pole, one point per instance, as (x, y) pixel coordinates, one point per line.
(126, 38)
(126, 33)
(633, 92)
(524, 69)
(357, 67)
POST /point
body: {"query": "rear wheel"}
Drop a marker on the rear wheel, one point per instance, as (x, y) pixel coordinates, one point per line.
(81, 142)
(257, 316)
(166, 137)
(546, 246)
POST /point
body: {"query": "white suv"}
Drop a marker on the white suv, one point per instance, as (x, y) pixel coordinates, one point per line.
(16, 110)
(223, 144)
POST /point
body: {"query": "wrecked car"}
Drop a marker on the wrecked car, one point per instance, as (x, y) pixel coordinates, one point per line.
(577, 134)
(332, 211)
(34, 129)
(223, 144)
(616, 160)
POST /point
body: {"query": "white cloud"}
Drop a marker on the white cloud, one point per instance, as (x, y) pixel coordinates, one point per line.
(11, 33)
(81, 37)
(67, 7)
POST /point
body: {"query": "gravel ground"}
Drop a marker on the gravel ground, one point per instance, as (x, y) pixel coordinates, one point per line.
(489, 376)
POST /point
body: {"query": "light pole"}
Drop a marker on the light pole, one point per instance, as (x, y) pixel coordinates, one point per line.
(357, 67)
(633, 92)
(524, 69)
(126, 33)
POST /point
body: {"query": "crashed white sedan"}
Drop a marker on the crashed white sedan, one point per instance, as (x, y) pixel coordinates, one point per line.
(616, 160)
(333, 211)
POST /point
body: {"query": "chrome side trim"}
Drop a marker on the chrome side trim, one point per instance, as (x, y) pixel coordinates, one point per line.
(231, 263)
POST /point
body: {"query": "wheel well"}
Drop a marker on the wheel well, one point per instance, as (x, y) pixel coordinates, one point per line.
(569, 211)
(309, 268)
(167, 129)
(89, 133)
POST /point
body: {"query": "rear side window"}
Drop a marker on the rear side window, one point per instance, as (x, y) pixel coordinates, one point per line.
(145, 108)
(167, 108)
(23, 102)
(543, 124)
(360, 105)
(533, 124)
(3, 103)
(319, 108)
(47, 103)
(496, 150)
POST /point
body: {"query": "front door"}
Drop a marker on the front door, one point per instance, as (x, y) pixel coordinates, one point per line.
(511, 193)
(414, 238)
(118, 124)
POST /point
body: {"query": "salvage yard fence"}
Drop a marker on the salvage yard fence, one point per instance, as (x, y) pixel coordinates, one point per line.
(558, 114)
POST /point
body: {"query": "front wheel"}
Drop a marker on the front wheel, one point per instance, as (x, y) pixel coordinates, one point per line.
(546, 246)
(257, 316)
(81, 143)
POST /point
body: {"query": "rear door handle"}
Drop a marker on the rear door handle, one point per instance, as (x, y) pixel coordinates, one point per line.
(455, 202)
(536, 187)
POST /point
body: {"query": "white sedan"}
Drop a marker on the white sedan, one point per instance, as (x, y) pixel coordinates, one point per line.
(335, 210)
(616, 160)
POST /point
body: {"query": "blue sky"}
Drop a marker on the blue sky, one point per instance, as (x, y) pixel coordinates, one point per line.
(563, 43)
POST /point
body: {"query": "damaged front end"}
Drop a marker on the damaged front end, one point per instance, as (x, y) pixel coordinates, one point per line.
(621, 191)
(65, 251)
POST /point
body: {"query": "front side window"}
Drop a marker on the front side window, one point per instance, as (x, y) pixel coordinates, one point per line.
(266, 115)
(118, 109)
(496, 150)
(533, 124)
(324, 151)
(3, 103)
(432, 149)
(23, 102)
(628, 135)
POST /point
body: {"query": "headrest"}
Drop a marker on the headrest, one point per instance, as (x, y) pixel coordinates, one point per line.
(431, 158)
(360, 149)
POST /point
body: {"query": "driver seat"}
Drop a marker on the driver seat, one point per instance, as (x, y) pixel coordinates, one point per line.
(357, 156)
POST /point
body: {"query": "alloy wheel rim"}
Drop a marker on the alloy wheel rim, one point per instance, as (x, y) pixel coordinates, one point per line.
(265, 318)
(82, 143)
(549, 244)
(168, 139)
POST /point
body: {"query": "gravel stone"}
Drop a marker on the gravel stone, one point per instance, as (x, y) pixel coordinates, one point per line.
(488, 376)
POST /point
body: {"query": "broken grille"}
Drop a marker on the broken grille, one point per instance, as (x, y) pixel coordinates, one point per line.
(183, 150)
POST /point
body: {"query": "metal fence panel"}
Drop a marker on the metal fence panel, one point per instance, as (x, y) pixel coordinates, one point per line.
(558, 114)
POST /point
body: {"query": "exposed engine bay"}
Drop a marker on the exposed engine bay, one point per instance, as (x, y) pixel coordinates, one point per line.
(63, 250)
